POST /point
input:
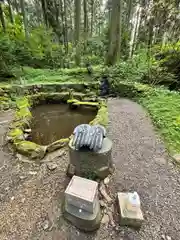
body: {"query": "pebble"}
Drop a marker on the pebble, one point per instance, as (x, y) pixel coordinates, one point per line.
(104, 193)
(32, 173)
(105, 219)
(26, 136)
(22, 177)
(102, 203)
(71, 170)
(45, 225)
(27, 130)
(51, 166)
(106, 181)
(168, 237)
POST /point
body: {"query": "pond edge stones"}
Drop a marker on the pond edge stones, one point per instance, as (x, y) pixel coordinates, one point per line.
(81, 206)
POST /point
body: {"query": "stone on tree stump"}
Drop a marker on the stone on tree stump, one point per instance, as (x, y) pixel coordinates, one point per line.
(88, 163)
(129, 218)
(81, 205)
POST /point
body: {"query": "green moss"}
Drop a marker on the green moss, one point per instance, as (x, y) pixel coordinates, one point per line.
(57, 144)
(30, 149)
(4, 99)
(101, 117)
(76, 102)
(164, 108)
(21, 123)
(23, 113)
(15, 134)
(78, 95)
(22, 103)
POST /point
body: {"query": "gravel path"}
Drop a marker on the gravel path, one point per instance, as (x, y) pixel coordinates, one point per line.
(142, 165)
(31, 195)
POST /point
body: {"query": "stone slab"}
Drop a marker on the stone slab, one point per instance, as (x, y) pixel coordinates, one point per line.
(83, 220)
(129, 218)
(82, 193)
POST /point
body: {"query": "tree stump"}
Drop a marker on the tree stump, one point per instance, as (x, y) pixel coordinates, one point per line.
(92, 164)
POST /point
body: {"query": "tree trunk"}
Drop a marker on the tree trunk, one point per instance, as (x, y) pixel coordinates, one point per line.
(16, 6)
(62, 20)
(2, 18)
(92, 16)
(38, 11)
(77, 30)
(85, 23)
(150, 37)
(135, 29)
(65, 27)
(63, 13)
(44, 10)
(10, 12)
(23, 12)
(114, 34)
(129, 11)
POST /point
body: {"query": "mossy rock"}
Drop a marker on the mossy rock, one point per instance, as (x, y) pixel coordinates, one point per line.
(78, 95)
(15, 134)
(57, 144)
(4, 106)
(40, 98)
(23, 113)
(76, 102)
(30, 149)
(22, 103)
(101, 117)
(2, 92)
(58, 97)
(22, 124)
(4, 99)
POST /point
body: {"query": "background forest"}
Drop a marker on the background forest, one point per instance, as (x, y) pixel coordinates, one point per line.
(141, 36)
(131, 41)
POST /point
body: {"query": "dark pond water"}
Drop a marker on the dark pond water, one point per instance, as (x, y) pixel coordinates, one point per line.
(52, 122)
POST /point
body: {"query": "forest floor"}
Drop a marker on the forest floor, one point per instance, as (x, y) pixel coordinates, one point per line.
(31, 194)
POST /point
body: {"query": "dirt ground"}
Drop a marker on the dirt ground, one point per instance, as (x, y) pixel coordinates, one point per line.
(31, 194)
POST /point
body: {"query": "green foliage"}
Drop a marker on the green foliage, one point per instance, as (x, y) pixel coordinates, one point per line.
(170, 60)
(159, 76)
(164, 108)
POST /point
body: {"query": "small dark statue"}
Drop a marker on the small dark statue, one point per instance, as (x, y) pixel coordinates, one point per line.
(104, 87)
(89, 69)
(88, 136)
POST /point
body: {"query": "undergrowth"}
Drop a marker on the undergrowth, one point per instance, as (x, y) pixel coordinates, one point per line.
(164, 108)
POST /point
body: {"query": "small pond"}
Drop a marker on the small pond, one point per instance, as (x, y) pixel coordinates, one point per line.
(52, 122)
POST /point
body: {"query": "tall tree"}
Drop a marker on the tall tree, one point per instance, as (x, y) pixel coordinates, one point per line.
(77, 30)
(114, 33)
(44, 10)
(23, 12)
(92, 16)
(10, 11)
(135, 29)
(63, 14)
(85, 22)
(2, 18)
(129, 11)
(65, 27)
